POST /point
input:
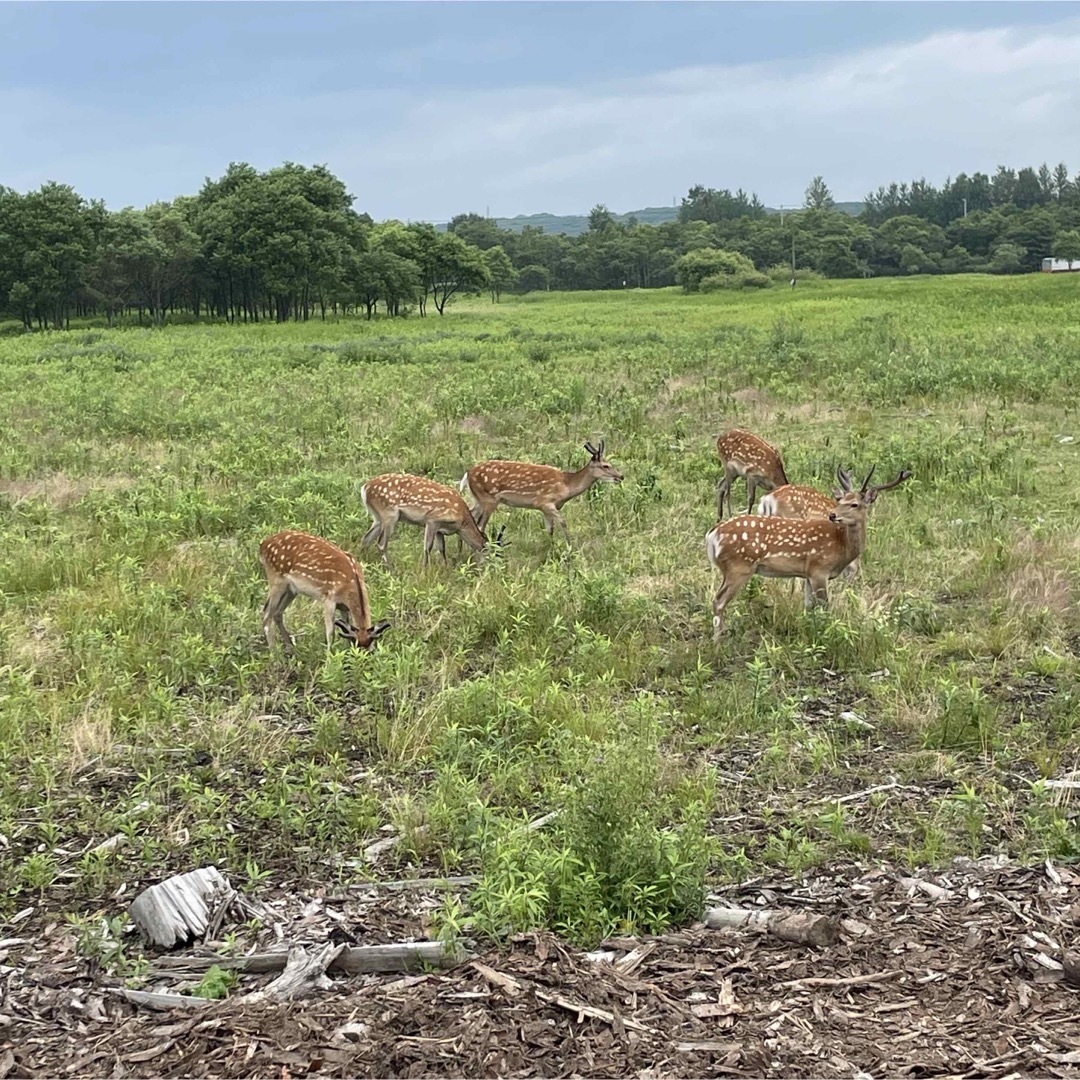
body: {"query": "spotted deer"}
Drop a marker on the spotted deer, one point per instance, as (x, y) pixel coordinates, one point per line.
(535, 487)
(815, 549)
(744, 454)
(799, 501)
(416, 500)
(297, 563)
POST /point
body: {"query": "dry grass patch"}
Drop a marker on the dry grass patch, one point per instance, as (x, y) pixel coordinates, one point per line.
(61, 491)
(89, 738)
(1038, 581)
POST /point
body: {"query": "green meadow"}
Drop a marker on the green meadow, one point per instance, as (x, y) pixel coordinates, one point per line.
(139, 470)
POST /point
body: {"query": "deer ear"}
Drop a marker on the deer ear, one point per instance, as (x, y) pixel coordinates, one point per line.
(600, 449)
(837, 494)
(378, 630)
(345, 629)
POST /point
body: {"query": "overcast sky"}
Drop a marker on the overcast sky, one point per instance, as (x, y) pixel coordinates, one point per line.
(426, 110)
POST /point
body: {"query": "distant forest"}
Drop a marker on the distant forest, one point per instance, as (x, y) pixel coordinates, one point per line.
(288, 244)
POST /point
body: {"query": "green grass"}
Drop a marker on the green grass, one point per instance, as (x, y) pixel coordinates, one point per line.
(139, 470)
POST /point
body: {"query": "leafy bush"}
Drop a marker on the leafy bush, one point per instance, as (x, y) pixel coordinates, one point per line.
(722, 269)
(781, 272)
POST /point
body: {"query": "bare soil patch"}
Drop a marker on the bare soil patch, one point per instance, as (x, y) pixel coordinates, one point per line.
(956, 974)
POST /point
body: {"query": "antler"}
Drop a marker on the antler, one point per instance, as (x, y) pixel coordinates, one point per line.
(591, 450)
(845, 478)
(905, 474)
(866, 482)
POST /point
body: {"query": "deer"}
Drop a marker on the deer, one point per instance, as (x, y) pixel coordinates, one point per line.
(297, 563)
(744, 454)
(815, 549)
(799, 501)
(535, 487)
(416, 500)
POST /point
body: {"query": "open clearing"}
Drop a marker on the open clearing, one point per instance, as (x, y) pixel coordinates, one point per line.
(138, 472)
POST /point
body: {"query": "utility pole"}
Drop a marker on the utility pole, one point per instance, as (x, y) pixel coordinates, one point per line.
(965, 208)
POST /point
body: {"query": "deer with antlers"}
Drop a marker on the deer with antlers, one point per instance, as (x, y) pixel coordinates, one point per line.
(297, 563)
(535, 487)
(744, 454)
(815, 549)
(416, 500)
(799, 501)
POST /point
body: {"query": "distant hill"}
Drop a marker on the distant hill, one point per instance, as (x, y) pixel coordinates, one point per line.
(576, 224)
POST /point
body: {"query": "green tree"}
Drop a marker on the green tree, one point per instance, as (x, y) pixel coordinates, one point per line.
(501, 272)
(818, 196)
(1067, 245)
(456, 267)
(601, 218)
(534, 278)
(1007, 259)
(720, 268)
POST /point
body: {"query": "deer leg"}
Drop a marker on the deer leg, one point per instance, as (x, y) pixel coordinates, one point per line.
(440, 539)
(851, 571)
(431, 535)
(554, 517)
(730, 587)
(276, 613)
(751, 490)
(372, 534)
(330, 617)
(269, 608)
(386, 530)
(817, 592)
(722, 488)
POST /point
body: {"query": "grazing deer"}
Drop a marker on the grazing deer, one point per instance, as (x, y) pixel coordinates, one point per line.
(536, 487)
(744, 454)
(298, 563)
(798, 501)
(439, 509)
(815, 549)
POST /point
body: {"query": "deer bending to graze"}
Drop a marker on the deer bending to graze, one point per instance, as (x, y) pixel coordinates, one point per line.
(815, 549)
(744, 454)
(297, 563)
(535, 487)
(415, 500)
(801, 502)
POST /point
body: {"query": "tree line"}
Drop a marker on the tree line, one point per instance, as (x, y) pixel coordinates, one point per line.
(288, 244)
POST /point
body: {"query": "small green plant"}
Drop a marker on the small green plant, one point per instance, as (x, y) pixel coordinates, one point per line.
(217, 983)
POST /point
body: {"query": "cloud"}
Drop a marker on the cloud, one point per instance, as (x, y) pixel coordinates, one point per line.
(963, 100)
(955, 101)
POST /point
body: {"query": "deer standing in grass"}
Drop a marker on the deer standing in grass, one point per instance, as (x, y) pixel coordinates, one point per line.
(744, 454)
(801, 502)
(535, 487)
(297, 563)
(815, 549)
(437, 508)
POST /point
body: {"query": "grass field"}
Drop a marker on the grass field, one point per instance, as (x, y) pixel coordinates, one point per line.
(139, 470)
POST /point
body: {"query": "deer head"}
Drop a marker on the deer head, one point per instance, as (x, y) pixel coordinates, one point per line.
(600, 467)
(352, 634)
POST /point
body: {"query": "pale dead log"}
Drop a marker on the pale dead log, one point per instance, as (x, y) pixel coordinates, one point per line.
(161, 1002)
(850, 980)
(540, 822)
(303, 970)
(355, 960)
(798, 927)
(178, 908)
(582, 1009)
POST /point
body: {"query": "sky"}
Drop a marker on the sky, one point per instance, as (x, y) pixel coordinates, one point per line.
(426, 110)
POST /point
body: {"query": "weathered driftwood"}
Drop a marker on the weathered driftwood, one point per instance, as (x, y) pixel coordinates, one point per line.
(179, 908)
(799, 927)
(355, 960)
(304, 971)
(1070, 961)
(161, 1002)
(401, 885)
(583, 1010)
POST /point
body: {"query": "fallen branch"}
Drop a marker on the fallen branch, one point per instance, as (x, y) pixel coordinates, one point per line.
(161, 1002)
(497, 978)
(355, 960)
(799, 927)
(850, 980)
(582, 1010)
(303, 971)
